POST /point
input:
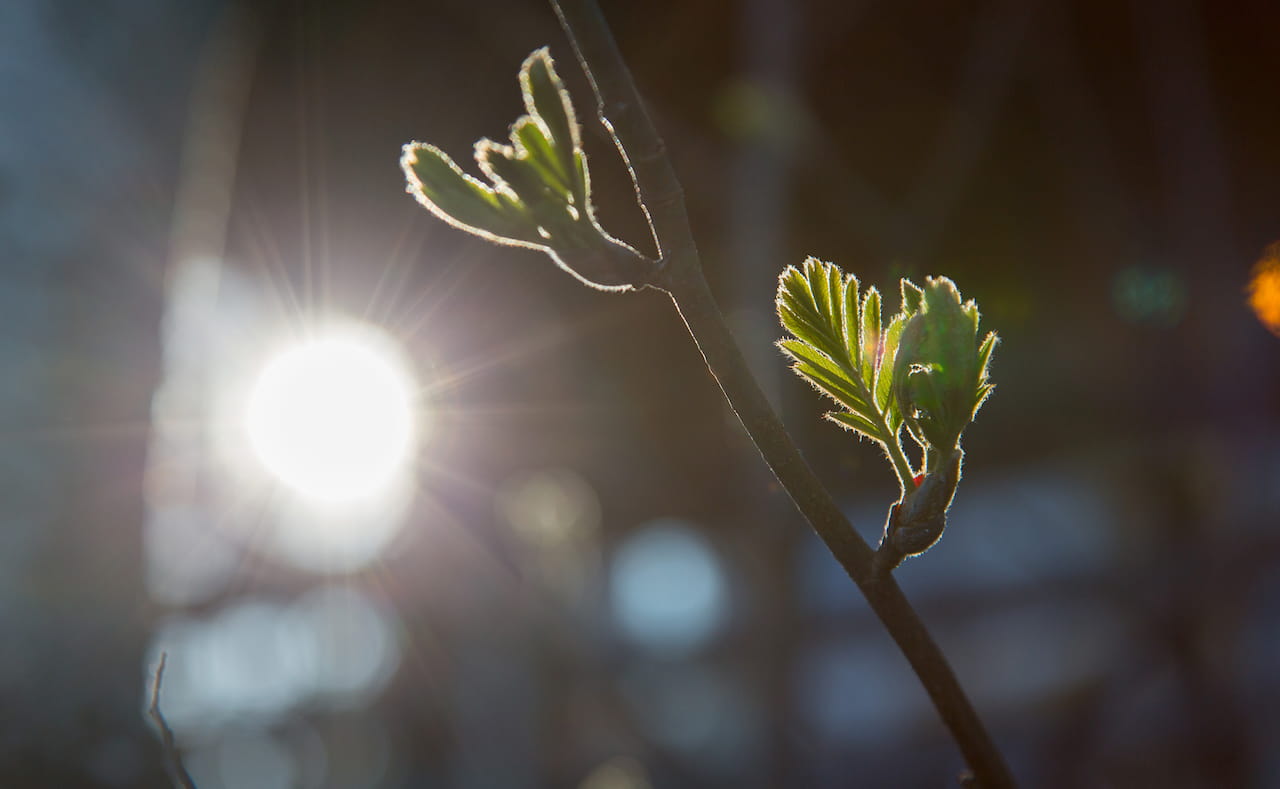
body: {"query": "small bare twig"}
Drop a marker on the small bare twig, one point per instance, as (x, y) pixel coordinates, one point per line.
(622, 113)
(173, 757)
(660, 196)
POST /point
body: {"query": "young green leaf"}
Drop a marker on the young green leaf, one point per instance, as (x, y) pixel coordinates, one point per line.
(462, 201)
(912, 297)
(838, 344)
(869, 336)
(858, 423)
(825, 375)
(887, 353)
(985, 387)
(940, 373)
(546, 99)
(533, 146)
(518, 175)
(849, 323)
(539, 190)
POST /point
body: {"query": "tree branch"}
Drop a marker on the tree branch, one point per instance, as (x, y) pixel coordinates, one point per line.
(173, 757)
(659, 192)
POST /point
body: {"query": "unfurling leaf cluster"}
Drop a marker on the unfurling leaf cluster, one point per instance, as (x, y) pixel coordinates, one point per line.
(538, 193)
(923, 369)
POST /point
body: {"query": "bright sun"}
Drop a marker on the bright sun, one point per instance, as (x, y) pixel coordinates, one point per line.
(333, 418)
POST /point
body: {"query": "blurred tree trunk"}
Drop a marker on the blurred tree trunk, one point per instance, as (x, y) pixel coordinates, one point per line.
(94, 104)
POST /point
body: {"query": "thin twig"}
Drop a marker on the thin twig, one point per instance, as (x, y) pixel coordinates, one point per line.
(622, 113)
(659, 192)
(173, 757)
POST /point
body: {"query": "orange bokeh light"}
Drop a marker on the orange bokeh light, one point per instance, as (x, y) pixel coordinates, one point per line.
(1264, 288)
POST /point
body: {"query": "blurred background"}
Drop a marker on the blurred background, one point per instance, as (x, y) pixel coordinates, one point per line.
(408, 510)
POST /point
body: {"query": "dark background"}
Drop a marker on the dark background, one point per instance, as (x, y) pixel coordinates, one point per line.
(1099, 176)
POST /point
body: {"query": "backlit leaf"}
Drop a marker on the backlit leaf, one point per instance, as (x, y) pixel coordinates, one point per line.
(912, 297)
(546, 99)
(869, 335)
(462, 201)
(856, 422)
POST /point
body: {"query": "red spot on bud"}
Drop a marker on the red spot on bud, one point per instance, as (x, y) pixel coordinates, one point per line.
(919, 478)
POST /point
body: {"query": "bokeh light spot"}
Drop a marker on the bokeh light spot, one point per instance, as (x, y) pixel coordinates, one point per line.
(354, 642)
(550, 506)
(1264, 289)
(555, 513)
(620, 772)
(693, 708)
(669, 592)
(256, 759)
(257, 660)
(1149, 295)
